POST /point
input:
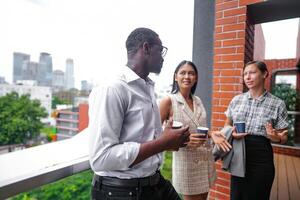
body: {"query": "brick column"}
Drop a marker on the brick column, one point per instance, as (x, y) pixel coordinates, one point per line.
(233, 46)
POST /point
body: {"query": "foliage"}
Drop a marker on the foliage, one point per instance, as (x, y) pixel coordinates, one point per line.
(48, 132)
(57, 101)
(166, 169)
(287, 94)
(78, 186)
(290, 98)
(20, 118)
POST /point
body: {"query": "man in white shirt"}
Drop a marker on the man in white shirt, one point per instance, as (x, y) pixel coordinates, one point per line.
(126, 136)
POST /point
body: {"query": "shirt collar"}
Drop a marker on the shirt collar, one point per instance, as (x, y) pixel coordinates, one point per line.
(128, 75)
(260, 98)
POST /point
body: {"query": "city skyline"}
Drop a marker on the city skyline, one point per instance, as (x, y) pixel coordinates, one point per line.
(42, 71)
(93, 34)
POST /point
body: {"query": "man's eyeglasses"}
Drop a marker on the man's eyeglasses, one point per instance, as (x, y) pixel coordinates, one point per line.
(163, 51)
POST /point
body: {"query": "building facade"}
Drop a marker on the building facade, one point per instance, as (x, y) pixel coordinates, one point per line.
(58, 80)
(45, 70)
(69, 74)
(71, 121)
(20, 61)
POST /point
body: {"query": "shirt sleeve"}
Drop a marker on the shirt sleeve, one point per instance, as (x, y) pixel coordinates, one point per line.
(228, 112)
(282, 117)
(106, 114)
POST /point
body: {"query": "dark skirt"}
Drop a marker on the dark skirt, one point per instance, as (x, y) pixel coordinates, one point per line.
(260, 171)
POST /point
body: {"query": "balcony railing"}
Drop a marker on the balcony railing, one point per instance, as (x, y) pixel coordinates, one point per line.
(24, 170)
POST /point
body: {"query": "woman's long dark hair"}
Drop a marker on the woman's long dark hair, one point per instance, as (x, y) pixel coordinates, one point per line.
(175, 87)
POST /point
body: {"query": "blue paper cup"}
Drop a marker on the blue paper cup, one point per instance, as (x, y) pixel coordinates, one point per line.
(203, 131)
(240, 127)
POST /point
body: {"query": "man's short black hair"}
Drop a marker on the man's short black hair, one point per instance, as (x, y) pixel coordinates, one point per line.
(137, 37)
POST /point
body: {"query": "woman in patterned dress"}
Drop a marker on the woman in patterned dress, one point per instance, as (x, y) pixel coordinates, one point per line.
(193, 167)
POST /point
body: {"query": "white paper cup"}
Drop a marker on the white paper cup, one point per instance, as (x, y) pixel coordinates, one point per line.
(177, 125)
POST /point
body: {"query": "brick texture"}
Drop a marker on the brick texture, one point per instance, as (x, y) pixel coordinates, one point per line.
(274, 64)
(233, 46)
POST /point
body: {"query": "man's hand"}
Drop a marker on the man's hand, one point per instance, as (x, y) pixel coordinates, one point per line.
(173, 139)
(220, 140)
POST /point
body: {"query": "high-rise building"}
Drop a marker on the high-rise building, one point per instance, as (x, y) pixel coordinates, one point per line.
(44, 77)
(69, 74)
(19, 60)
(58, 80)
(2, 80)
(85, 85)
(30, 70)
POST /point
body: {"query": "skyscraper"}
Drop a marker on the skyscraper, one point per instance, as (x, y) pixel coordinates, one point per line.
(69, 75)
(19, 60)
(30, 70)
(58, 82)
(44, 76)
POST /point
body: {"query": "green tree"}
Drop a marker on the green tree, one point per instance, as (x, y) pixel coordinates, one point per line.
(290, 97)
(287, 94)
(76, 187)
(56, 101)
(20, 118)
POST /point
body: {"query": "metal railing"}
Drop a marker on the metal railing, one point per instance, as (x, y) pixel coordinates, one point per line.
(27, 169)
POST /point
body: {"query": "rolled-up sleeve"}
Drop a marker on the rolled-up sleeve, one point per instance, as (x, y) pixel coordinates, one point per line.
(282, 117)
(107, 108)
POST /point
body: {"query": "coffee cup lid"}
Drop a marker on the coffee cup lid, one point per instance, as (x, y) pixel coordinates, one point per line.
(177, 124)
(202, 128)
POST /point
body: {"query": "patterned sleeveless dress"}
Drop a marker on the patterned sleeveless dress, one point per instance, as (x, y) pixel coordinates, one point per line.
(193, 169)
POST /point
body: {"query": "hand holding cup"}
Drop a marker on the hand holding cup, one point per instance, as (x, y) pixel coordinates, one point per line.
(239, 130)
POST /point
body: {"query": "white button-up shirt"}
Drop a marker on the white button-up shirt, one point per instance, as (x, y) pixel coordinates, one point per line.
(122, 115)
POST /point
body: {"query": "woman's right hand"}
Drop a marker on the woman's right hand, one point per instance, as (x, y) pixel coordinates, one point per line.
(195, 140)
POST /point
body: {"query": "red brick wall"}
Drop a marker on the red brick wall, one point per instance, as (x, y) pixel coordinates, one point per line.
(83, 118)
(275, 64)
(286, 150)
(233, 46)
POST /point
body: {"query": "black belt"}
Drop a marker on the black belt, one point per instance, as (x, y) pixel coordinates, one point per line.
(135, 182)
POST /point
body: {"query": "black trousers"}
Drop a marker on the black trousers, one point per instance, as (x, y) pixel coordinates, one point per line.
(163, 190)
(260, 171)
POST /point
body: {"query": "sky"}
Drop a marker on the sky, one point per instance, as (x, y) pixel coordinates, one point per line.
(281, 37)
(93, 33)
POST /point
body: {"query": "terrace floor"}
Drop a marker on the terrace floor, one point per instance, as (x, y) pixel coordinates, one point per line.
(286, 185)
